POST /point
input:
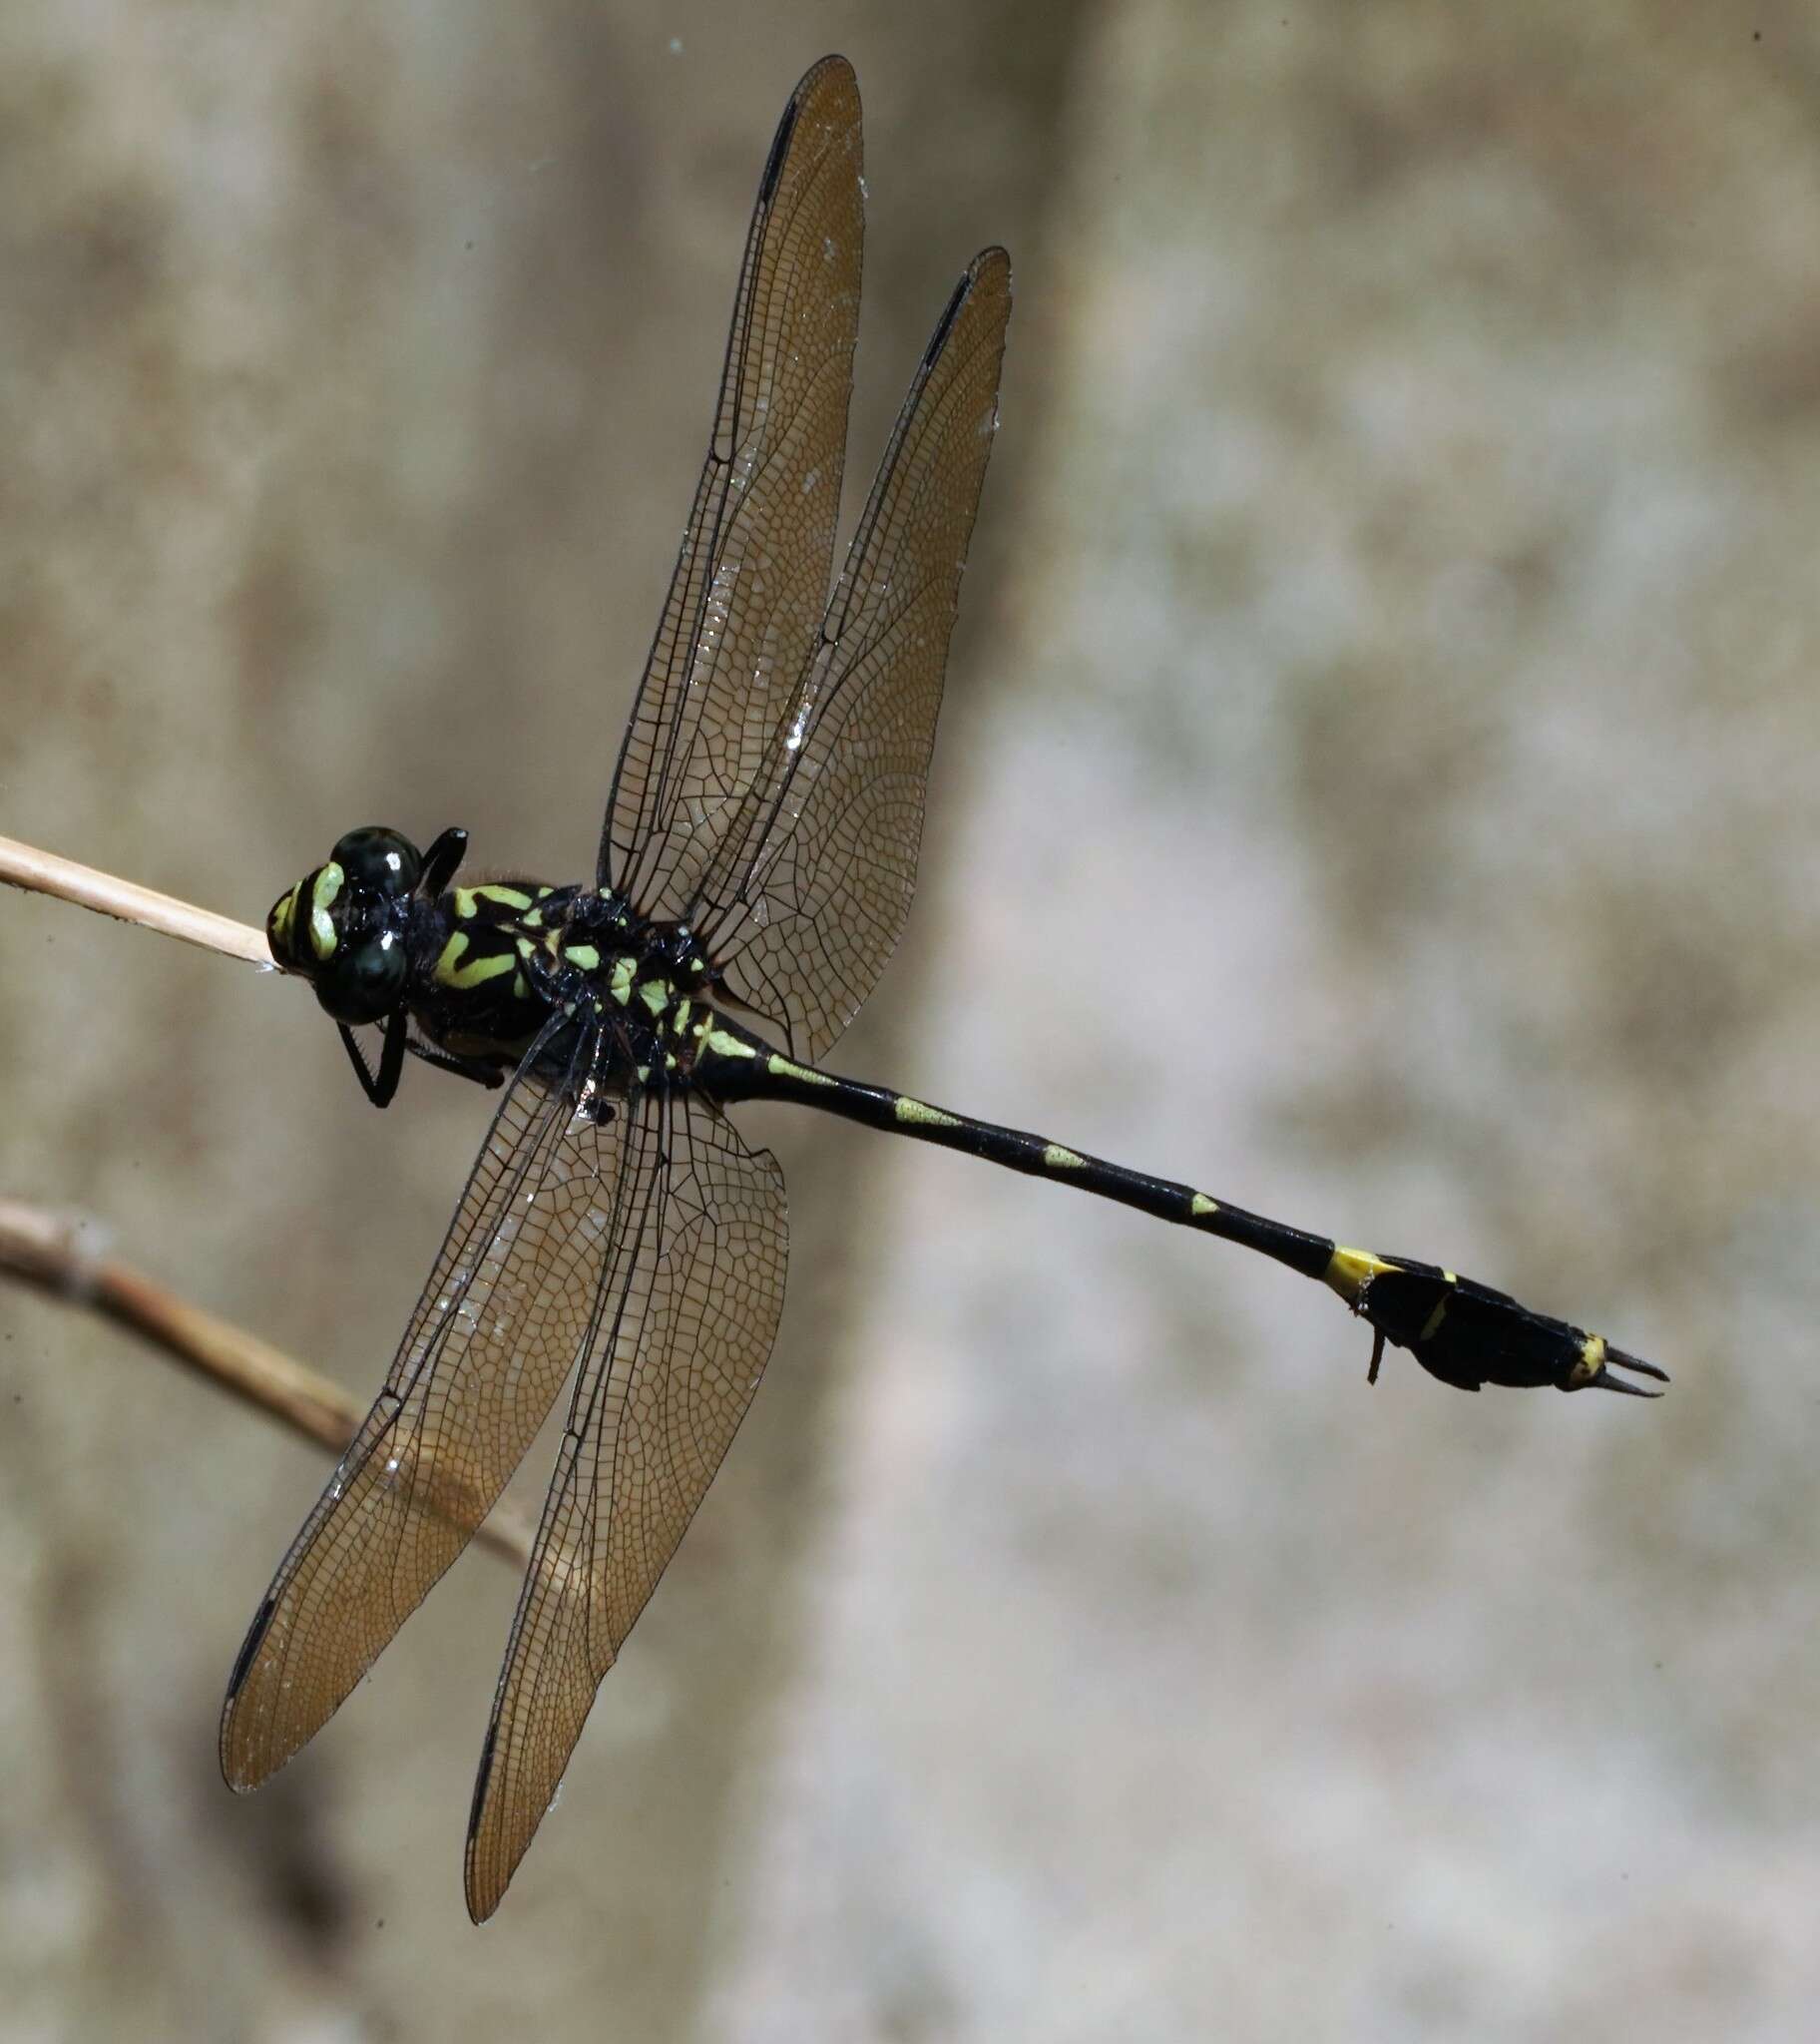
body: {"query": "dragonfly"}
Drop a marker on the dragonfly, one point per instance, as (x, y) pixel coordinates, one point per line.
(616, 1235)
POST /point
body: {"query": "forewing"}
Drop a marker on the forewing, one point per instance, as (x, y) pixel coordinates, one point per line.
(493, 1336)
(751, 580)
(696, 1291)
(809, 889)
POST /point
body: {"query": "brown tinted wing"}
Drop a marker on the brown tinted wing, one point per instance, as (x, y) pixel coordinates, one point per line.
(751, 580)
(809, 889)
(696, 1295)
(496, 1331)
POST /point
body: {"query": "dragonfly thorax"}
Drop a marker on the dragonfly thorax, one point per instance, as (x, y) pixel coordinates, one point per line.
(504, 958)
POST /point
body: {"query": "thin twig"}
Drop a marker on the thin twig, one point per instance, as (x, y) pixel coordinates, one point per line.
(43, 872)
(48, 1254)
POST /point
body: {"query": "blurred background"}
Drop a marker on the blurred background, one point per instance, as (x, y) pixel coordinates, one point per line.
(1377, 785)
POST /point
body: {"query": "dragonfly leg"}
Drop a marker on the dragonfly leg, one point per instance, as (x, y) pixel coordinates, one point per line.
(478, 1069)
(442, 860)
(378, 1086)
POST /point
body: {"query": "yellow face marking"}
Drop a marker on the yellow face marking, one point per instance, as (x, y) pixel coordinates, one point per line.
(725, 1045)
(330, 882)
(282, 918)
(1055, 1158)
(1349, 1271)
(619, 984)
(449, 971)
(782, 1067)
(655, 993)
(584, 957)
(926, 1117)
(1200, 1205)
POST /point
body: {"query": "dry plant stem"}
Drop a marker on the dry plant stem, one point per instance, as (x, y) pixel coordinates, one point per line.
(46, 1253)
(43, 872)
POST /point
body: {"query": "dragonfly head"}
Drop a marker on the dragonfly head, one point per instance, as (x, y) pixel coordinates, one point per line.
(343, 927)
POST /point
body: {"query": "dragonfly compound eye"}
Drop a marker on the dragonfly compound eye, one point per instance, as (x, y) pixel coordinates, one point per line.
(376, 857)
(362, 981)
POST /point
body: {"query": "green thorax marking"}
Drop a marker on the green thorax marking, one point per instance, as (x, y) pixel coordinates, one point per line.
(497, 892)
(502, 955)
(452, 969)
(473, 992)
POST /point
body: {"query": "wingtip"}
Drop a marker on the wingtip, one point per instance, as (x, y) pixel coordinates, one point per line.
(483, 1882)
(244, 1769)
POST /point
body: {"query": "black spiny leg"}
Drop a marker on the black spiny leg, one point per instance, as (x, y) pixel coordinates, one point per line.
(477, 1069)
(442, 860)
(380, 1085)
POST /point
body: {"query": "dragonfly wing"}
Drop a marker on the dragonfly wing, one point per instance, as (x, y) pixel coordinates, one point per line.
(810, 887)
(493, 1338)
(692, 1308)
(751, 580)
